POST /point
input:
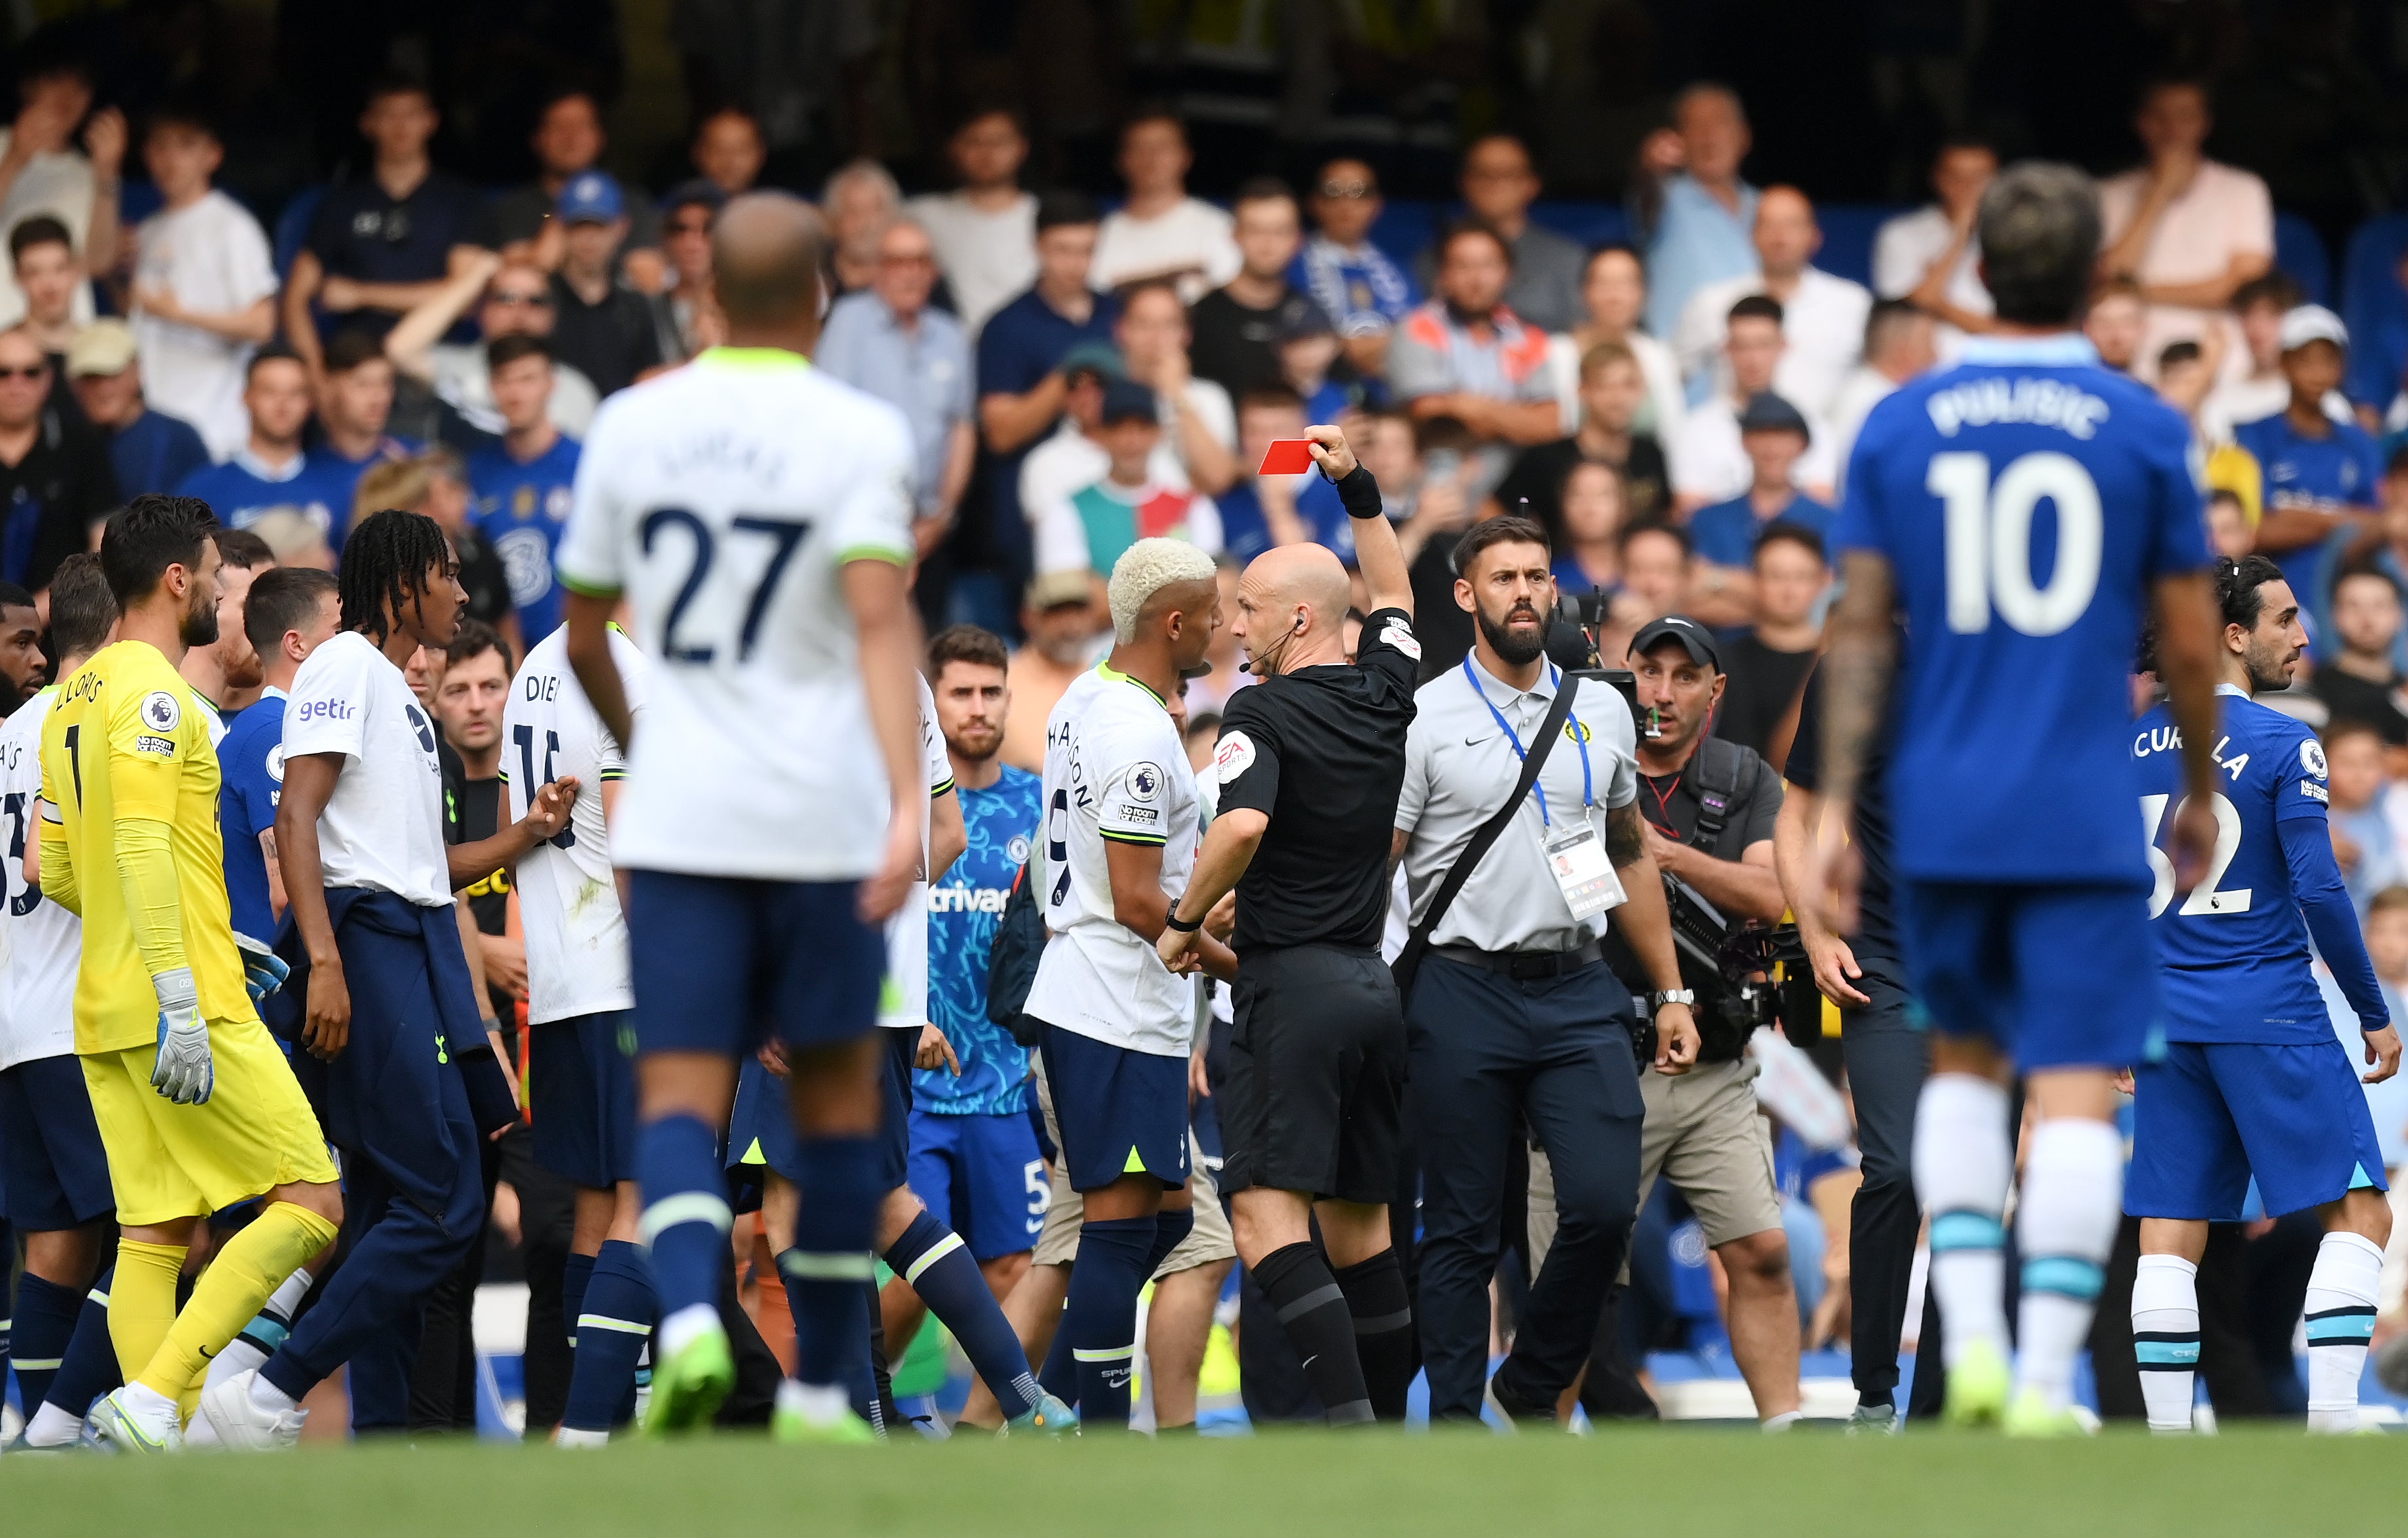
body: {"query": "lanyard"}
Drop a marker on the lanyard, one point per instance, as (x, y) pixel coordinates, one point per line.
(1579, 736)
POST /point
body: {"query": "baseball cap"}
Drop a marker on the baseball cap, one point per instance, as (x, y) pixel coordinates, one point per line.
(1052, 589)
(104, 347)
(591, 197)
(1126, 400)
(1694, 638)
(1102, 358)
(695, 190)
(2313, 324)
(1299, 321)
(1767, 412)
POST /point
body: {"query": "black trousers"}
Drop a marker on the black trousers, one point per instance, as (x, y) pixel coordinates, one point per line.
(1490, 1056)
(1888, 1059)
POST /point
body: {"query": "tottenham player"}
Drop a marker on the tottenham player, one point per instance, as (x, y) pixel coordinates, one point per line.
(757, 514)
(2252, 1081)
(2021, 510)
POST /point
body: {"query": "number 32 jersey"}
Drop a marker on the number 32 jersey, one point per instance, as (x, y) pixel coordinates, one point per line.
(724, 500)
(2026, 501)
(2234, 951)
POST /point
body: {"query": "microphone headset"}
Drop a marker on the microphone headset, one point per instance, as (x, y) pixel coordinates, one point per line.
(1248, 666)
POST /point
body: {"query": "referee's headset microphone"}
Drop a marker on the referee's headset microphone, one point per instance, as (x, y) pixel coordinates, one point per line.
(1271, 652)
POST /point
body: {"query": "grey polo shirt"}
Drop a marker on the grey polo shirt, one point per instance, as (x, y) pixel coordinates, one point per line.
(925, 372)
(1459, 766)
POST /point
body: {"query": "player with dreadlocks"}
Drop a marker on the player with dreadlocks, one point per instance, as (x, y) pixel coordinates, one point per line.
(360, 835)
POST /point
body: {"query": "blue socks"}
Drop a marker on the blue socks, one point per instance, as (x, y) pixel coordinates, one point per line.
(1101, 1319)
(829, 1270)
(686, 1218)
(574, 1278)
(613, 1321)
(1059, 1376)
(935, 1263)
(45, 1318)
(89, 1368)
(1171, 1227)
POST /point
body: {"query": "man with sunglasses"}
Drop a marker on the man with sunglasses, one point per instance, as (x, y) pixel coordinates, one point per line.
(1365, 292)
(511, 298)
(54, 482)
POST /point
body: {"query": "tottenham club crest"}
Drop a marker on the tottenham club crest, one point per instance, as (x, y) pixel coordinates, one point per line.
(160, 711)
(1146, 783)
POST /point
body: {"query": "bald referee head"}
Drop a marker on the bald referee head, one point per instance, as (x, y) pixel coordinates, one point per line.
(1292, 605)
(766, 252)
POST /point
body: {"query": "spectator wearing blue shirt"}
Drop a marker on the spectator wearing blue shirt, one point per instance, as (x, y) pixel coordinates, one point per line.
(1774, 434)
(1308, 346)
(1258, 512)
(887, 340)
(2322, 477)
(270, 471)
(1699, 215)
(522, 487)
(353, 409)
(1351, 278)
(1021, 382)
(291, 612)
(149, 450)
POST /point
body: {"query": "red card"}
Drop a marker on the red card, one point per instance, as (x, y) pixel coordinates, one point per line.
(1287, 457)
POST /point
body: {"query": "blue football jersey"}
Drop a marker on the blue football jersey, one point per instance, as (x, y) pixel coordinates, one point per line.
(250, 761)
(2235, 965)
(964, 910)
(2026, 500)
(520, 510)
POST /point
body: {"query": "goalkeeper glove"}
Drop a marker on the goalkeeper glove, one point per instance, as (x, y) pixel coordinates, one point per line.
(262, 970)
(184, 1072)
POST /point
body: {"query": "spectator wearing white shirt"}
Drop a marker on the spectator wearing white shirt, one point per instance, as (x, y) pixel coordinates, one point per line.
(2188, 229)
(1614, 291)
(203, 285)
(1070, 457)
(985, 230)
(1161, 232)
(508, 297)
(1823, 317)
(1932, 256)
(1900, 342)
(1691, 203)
(42, 172)
(1199, 422)
(1709, 463)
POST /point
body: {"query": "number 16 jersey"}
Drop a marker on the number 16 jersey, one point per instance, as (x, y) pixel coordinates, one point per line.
(2026, 500)
(724, 500)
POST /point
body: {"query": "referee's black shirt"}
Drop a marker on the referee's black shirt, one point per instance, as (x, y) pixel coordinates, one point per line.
(1321, 751)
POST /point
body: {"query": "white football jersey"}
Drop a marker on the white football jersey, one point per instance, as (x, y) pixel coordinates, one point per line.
(1115, 770)
(382, 829)
(569, 898)
(41, 943)
(724, 499)
(903, 1003)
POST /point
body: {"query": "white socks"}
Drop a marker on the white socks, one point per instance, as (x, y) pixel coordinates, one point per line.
(262, 1334)
(2073, 1202)
(817, 1403)
(2339, 1317)
(1964, 1160)
(2165, 1338)
(269, 1397)
(52, 1427)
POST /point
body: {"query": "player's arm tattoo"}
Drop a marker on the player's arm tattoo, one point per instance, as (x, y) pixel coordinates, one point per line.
(1856, 672)
(1624, 842)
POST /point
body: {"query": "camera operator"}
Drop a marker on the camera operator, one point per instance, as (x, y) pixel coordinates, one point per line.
(1709, 806)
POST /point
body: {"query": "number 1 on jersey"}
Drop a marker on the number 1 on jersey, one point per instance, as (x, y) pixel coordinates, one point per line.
(1987, 540)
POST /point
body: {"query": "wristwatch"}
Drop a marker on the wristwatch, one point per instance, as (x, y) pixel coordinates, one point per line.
(1687, 996)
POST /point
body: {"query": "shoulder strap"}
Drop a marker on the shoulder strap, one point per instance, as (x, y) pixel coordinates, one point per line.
(1720, 767)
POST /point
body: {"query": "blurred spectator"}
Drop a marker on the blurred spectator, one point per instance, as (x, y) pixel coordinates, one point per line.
(1822, 317)
(887, 340)
(1613, 291)
(225, 672)
(985, 231)
(270, 470)
(1612, 393)
(1364, 294)
(510, 298)
(1074, 455)
(1695, 210)
(568, 142)
(54, 482)
(1499, 187)
(1198, 419)
(354, 406)
(2367, 813)
(1466, 354)
(2231, 532)
(601, 325)
(1773, 434)
(1767, 664)
(1931, 257)
(42, 172)
(1259, 511)
(728, 150)
(1022, 382)
(50, 275)
(2185, 374)
(522, 489)
(384, 243)
(1203, 734)
(442, 491)
(1709, 463)
(2117, 323)
(204, 283)
(1161, 232)
(148, 450)
(1088, 529)
(2321, 475)
(1900, 342)
(293, 540)
(1309, 348)
(1592, 507)
(1654, 583)
(2254, 387)
(1209, 696)
(1058, 615)
(2361, 680)
(687, 215)
(859, 202)
(2189, 230)
(1237, 325)
(1425, 472)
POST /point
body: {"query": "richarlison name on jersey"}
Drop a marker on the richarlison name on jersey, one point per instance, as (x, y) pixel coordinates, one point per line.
(1992, 401)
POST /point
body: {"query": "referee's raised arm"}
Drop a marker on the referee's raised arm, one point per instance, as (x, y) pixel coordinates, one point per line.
(1377, 554)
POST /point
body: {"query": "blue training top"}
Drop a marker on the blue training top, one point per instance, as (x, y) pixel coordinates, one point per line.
(963, 911)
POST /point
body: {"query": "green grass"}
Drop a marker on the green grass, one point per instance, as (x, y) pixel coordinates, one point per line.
(1676, 1482)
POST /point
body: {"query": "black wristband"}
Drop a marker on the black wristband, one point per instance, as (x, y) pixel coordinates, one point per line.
(1170, 921)
(1360, 493)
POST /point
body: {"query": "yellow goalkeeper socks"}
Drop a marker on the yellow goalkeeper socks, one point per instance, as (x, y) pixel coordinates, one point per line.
(142, 1303)
(248, 1269)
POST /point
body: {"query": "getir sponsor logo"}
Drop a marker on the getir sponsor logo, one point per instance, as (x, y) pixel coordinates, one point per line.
(331, 710)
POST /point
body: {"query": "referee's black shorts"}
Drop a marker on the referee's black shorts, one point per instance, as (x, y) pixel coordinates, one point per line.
(1316, 1075)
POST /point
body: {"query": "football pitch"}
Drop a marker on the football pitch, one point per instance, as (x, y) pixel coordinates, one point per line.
(1687, 1482)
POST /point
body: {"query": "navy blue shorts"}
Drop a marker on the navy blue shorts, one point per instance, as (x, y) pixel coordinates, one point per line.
(53, 1172)
(722, 963)
(894, 1116)
(582, 1086)
(761, 1128)
(2206, 1118)
(981, 1176)
(2055, 976)
(1121, 1112)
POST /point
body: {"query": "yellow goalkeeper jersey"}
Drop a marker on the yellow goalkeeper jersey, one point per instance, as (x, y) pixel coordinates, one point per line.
(129, 740)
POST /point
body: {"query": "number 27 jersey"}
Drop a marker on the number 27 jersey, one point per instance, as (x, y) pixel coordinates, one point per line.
(2027, 501)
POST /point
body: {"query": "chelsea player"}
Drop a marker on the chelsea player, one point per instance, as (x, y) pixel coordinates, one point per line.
(2021, 510)
(2252, 1081)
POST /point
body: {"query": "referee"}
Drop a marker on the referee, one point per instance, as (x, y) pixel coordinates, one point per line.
(1310, 764)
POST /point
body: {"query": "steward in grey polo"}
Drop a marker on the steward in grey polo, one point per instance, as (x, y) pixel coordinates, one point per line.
(1513, 1017)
